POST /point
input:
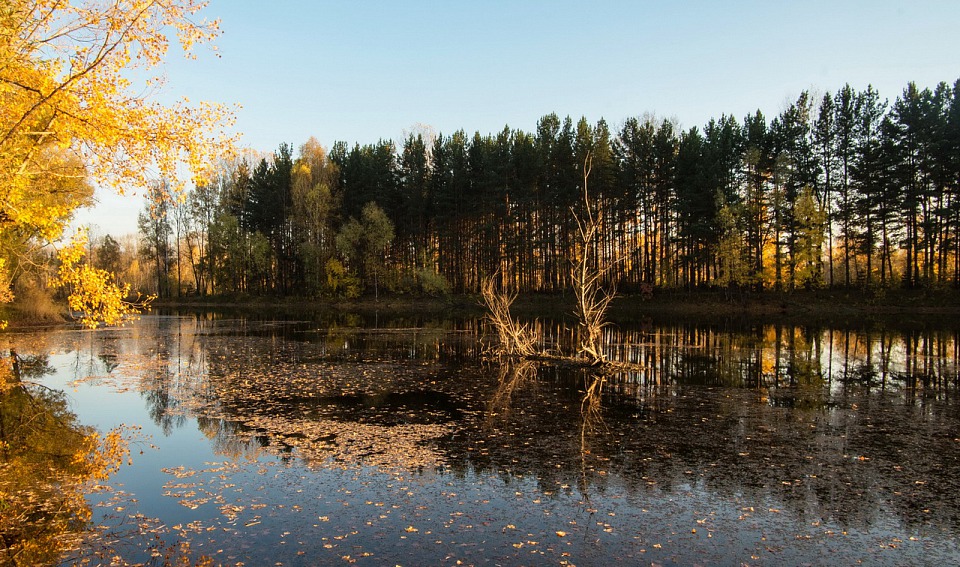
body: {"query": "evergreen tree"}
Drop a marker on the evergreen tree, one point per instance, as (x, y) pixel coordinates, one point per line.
(795, 171)
(413, 224)
(846, 105)
(634, 150)
(759, 203)
(758, 162)
(952, 149)
(696, 207)
(871, 205)
(824, 140)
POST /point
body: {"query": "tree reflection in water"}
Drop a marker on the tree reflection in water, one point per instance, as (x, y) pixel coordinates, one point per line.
(766, 406)
(840, 427)
(47, 462)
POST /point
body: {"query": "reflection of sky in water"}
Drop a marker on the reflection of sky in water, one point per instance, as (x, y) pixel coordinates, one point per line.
(674, 474)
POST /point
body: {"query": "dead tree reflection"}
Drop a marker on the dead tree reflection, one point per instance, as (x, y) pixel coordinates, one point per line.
(513, 376)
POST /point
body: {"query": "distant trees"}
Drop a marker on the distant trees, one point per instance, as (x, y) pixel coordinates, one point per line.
(846, 190)
(154, 224)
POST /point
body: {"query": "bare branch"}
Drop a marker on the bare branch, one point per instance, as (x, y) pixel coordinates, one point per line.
(586, 276)
(516, 339)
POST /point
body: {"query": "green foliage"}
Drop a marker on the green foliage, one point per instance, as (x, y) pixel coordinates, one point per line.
(732, 250)
(433, 283)
(312, 219)
(364, 243)
(810, 219)
(108, 255)
(227, 253)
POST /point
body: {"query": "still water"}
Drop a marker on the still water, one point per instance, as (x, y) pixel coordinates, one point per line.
(394, 442)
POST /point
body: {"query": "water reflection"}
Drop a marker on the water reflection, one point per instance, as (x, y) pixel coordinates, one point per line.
(513, 375)
(749, 356)
(240, 370)
(46, 460)
(851, 428)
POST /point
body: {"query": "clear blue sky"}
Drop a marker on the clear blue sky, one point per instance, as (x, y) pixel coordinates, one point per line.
(360, 71)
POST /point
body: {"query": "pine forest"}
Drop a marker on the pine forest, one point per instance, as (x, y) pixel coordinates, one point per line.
(846, 190)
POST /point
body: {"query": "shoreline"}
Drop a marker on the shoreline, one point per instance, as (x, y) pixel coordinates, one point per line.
(820, 307)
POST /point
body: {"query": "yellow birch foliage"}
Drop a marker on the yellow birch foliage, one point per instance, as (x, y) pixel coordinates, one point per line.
(78, 76)
(6, 296)
(93, 295)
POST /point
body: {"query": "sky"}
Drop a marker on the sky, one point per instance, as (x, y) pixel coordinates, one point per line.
(360, 71)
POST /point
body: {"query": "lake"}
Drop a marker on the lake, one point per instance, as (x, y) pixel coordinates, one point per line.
(381, 440)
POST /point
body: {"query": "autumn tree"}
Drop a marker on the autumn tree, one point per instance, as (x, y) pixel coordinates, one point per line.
(24, 253)
(204, 204)
(154, 224)
(732, 258)
(71, 81)
(314, 190)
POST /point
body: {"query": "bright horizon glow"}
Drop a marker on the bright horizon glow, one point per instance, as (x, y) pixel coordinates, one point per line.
(363, 71)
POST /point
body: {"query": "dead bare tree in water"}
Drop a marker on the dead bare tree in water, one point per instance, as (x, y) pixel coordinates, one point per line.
(516, 339)
(587, 274)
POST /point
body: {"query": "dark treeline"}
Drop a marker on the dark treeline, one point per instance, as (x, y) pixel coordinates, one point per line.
(847, 190)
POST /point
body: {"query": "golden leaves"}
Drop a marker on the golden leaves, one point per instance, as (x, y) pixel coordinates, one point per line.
(94, 296)
(103, 455)
(67, 98)
(6, 294)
